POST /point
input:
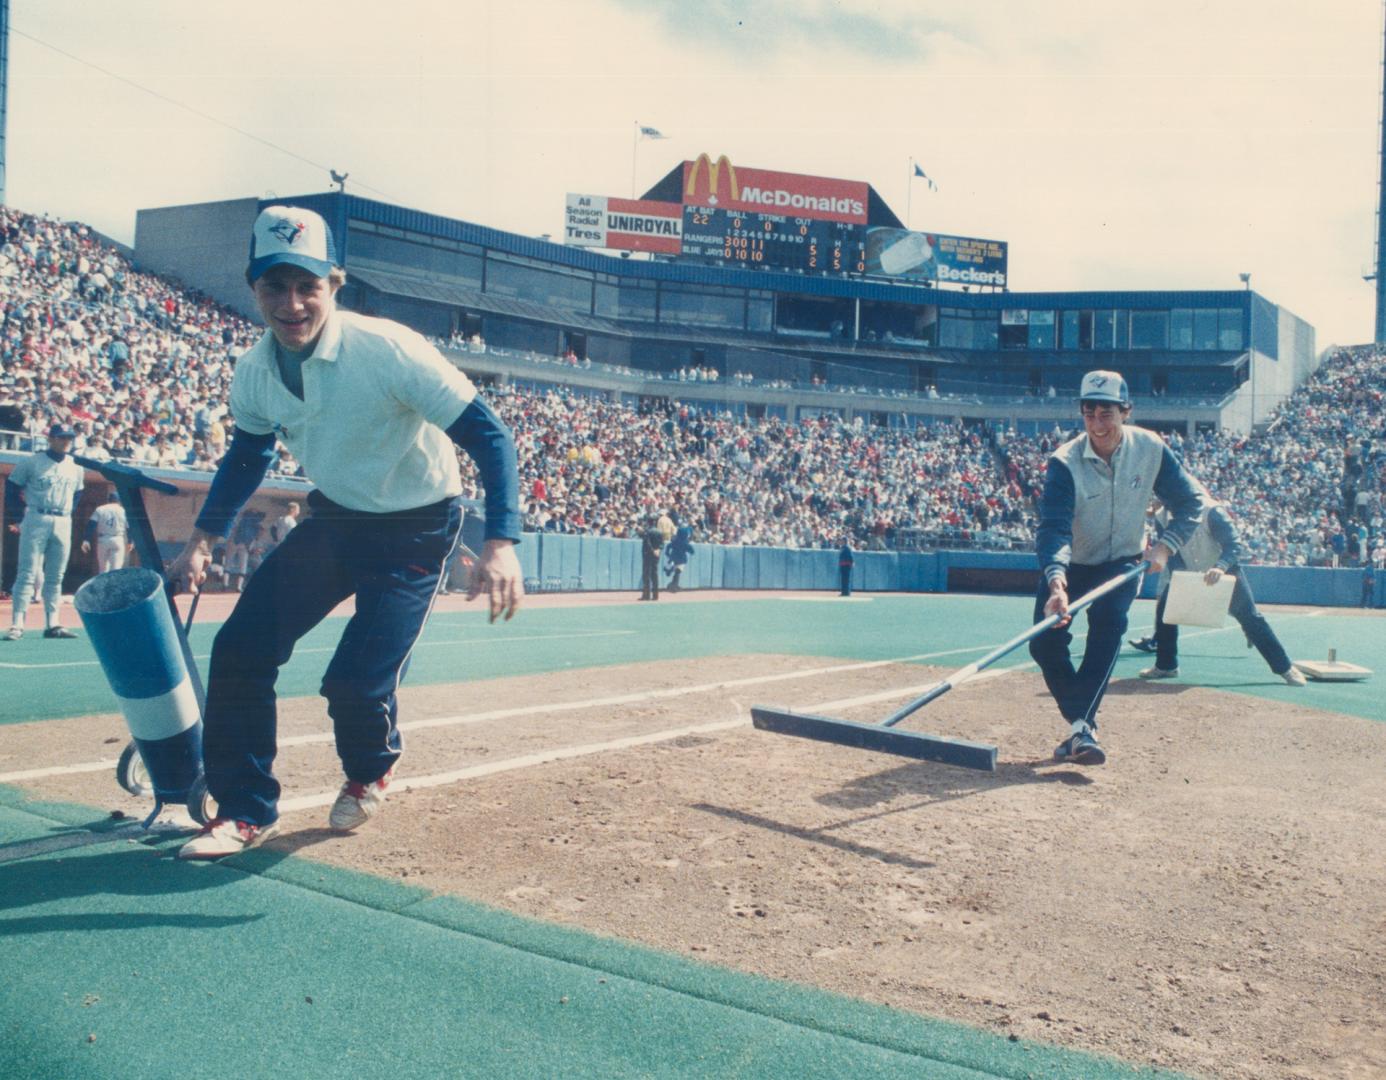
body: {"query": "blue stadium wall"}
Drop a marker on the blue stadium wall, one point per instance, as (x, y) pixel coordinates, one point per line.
(555, 562)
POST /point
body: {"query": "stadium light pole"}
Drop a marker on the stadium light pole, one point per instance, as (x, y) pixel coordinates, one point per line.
(1380, 272)
(4, 87)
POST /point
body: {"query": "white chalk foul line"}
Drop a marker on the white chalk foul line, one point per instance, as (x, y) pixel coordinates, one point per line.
(539, 710)
(544, 757)
(603, 702)
(324, 649)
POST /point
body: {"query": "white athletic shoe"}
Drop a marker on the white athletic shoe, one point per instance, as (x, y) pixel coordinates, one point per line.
(223, 836)
(14, 633)
(1294, 677)
(1159, 673)
(357, 802)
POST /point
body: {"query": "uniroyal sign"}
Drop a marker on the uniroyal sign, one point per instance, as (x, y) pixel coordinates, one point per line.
(623, 224)
(726, 186)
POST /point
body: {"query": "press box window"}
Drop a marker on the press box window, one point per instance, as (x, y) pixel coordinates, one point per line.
(1150, 329)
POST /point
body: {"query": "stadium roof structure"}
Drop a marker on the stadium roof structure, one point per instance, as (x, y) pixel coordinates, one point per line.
(340, 208)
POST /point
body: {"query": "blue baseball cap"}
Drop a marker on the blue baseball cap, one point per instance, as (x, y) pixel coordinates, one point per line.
(290, 235)
(1104, 386)
(61, 431)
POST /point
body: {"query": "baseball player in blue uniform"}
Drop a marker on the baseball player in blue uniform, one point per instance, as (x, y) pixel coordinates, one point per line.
(372, 412)
(43, 489)
(1215, 550)
(1092, 529)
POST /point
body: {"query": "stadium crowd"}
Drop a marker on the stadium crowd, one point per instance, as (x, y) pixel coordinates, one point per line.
(141, 368)
(598, 467)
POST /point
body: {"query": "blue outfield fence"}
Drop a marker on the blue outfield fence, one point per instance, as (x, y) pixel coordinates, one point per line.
(555, 561)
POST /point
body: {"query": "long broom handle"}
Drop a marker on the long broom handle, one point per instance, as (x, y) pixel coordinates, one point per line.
(963, 674)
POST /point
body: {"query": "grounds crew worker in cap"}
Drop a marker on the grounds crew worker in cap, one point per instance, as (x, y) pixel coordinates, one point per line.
(1215, 550)
(372, 411)
(49, 483)
(1092, 529)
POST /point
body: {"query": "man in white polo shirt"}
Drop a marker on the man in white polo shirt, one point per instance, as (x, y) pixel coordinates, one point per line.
(372, 411)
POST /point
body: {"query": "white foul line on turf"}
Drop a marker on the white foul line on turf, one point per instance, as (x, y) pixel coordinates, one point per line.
(544, 757)
(423, 644)
(532, 710)
(327, 798)
(628, 699)
(636, 697)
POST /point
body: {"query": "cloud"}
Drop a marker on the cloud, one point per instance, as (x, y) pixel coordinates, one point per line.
(775, 30)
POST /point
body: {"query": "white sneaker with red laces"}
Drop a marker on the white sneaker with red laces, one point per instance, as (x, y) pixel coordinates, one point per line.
(221, 837)
(357, 802)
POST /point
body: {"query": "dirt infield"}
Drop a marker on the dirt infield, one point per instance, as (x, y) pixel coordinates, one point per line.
(1213, 899)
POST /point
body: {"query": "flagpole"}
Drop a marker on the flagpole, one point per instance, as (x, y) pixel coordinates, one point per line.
(909, 197)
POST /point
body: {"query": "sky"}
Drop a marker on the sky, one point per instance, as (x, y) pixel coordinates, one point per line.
(1111, 145)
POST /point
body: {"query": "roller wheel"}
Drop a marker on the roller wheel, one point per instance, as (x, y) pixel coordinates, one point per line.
(131, 773)
(200, 802)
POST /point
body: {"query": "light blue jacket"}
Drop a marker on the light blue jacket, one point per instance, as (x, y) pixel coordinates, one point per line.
(1093, 513)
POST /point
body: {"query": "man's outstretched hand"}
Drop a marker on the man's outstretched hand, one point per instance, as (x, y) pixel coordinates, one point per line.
(497, 573)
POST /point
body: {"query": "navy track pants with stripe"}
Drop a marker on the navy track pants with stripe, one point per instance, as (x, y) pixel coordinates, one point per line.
(1079, 691)
(392, 564)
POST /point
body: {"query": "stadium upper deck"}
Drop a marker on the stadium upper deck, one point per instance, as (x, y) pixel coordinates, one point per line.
(1196, 360)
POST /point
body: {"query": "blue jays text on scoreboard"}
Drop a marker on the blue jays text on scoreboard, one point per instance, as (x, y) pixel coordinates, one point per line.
(751, 238)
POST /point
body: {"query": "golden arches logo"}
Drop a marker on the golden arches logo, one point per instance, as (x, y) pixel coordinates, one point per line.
(714, 171)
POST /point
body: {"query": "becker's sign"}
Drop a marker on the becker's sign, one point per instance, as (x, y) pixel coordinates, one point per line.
(623, 224)
(720, 184)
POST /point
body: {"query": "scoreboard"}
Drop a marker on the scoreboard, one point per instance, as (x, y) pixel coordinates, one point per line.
(751, 238)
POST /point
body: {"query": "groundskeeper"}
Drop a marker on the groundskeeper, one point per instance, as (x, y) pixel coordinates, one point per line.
(1092, 529)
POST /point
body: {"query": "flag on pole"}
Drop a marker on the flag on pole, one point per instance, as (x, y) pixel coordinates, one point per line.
(651, 133)
(924, 176)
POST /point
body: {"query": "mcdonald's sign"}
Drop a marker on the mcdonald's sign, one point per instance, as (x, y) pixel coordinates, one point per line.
(710, 192)
(723, 185)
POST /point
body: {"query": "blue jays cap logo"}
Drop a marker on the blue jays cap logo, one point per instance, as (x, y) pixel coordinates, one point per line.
(1104, 386)
(288, 231)
(290, 235)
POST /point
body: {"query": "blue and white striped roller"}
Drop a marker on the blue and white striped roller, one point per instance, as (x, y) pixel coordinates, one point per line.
(128, 620)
